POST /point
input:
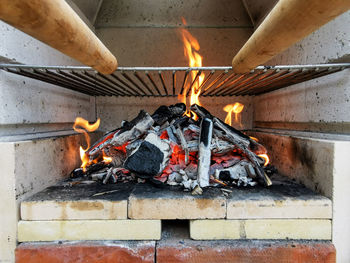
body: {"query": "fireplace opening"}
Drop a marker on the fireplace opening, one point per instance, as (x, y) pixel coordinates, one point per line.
(173, 148)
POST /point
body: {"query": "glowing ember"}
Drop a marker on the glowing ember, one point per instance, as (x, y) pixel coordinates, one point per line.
(233, 108)
(107, 159)
(191, 48)
(265, 157)
(82, 126)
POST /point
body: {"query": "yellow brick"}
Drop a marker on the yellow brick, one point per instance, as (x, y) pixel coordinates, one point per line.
(288, 208)
(89, 230)
(176, 208)
(261, 229)
(290, 228)
(215, 229)
(68, 210)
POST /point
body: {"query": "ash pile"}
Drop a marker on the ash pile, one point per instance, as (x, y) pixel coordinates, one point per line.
(169, 147)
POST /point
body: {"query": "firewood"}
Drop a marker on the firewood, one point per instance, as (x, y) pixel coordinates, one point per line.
(204, 155)
(133, 129)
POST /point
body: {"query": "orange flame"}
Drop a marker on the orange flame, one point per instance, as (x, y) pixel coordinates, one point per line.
(253, 138)
(265, 157)
(233, 108)
(107, 159)
(85, 126)
(191, 48)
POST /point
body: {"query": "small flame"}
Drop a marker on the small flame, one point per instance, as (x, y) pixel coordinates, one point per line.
(253, 138)
(107, 159)
(85, 126)
(233, 108)
(265, 157)
(191, 48)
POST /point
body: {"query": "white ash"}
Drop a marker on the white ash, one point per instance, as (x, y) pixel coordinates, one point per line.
(238, 174)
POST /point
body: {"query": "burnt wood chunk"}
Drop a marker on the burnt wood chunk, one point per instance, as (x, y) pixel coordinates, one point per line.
(146, 160)
(204, 158)
(167, 113)
(133, 129)
(150, 158)
(240, 144)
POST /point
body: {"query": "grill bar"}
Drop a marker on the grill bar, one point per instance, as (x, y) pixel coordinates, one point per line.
(162, 81)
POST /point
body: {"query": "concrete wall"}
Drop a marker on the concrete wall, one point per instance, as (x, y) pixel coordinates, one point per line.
(51, 160)
(146, 33)
(25, 102)
(312, 104)
(28, 109)
(320, 105)
(321, 165)
(113, 110)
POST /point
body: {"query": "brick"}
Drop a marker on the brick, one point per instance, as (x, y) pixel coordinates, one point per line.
(87, 252)
(261, 229)
(246, 251)
(149, 202)
(281, 200)
(89, 230)
(78, 202)
(69, 210)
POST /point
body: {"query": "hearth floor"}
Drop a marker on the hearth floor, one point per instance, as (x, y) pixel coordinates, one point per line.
(92, 211)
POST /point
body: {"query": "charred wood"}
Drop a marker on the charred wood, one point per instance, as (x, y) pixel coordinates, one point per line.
(133, 129)
(204, 157)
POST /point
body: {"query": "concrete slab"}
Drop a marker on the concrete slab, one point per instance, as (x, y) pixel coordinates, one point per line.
(150, 202)
(320, 229)
(81, 201)
(29, 231)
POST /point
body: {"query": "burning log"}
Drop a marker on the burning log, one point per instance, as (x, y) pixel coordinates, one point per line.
(171, 148)
(133, 129)
(240, 140)
(262, 176)
(204, 151)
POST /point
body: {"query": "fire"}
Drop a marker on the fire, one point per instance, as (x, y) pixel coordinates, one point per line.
(107, 159)
(233, 108)
(253, 138)
(191, 48)
(265, 157)
(82, 126)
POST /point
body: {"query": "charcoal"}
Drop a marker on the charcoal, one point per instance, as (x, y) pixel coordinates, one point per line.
(150, 158)
(78, 172)
(165, 113)
(146, 160)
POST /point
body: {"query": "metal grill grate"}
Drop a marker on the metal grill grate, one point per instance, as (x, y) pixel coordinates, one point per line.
(171, 81)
